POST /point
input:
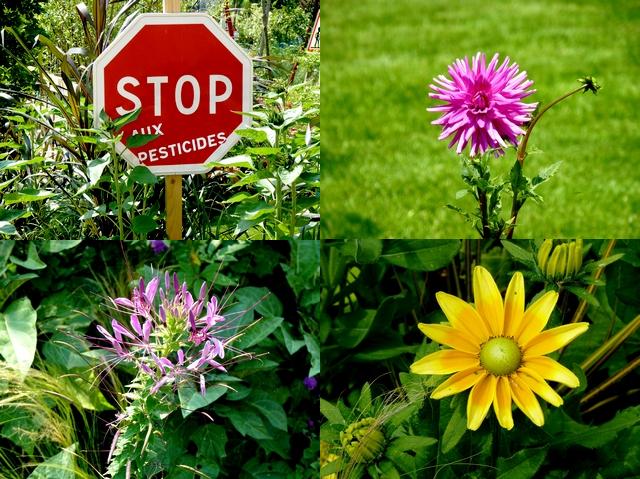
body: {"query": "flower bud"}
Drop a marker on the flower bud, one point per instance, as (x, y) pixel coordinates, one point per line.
(363, 441)
(543, 253)
(563, 262)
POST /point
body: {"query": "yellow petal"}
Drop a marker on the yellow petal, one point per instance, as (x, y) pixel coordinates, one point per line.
(480, 399)
(446, 361)
(463, 316)
(458, 382)
(453, 338)
(525, 400)
(536, 317)
(502, 403)
(552, 370)
(514, 305)
(488, 300)
(539, 386)
(552, 339)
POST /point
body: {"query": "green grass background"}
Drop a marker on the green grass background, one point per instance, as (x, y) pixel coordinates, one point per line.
(385, 174)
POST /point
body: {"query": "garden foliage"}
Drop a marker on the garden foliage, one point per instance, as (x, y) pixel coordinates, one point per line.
(379, 419)
(62, 396)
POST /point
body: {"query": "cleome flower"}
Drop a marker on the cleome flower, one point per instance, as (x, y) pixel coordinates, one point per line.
(171, 336)
(483, 104)
(498, 350)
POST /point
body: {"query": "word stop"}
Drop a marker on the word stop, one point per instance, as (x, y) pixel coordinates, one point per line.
(220, 89)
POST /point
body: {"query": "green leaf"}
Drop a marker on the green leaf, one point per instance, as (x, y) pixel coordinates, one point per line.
(27, 195)
(246, 421)
(456, 427)
(211, 440)
(565, 432)
(352, 328)
(367, 251)
(7, 228)
(239, 197)
(96, 167)
(420, 255)
(582, 293)
(523, 464)
(272, 411)
(410, 443)
(289, 176)
(518, 253)
(380, 354)
(545, 174)
(260, 299)
(32, 262)
(18, 335)
(314, 350)
(240, 161)
(192, 400)
(257, 331)
(144, 224)
(292, 345)
(135, 141)
(142, 175)
(60, 466)
(56, 246)
(125, 119)
(331, 412)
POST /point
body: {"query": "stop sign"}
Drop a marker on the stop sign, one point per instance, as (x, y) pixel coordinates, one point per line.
(190, 80)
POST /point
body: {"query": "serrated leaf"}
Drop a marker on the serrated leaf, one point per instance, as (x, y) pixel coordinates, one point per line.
(519, 253)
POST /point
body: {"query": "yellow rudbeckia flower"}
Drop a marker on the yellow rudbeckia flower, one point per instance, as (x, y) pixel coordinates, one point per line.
(498, 350)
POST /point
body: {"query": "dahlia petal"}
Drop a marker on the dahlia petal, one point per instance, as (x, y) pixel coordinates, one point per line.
(525, 400)
(482, 89)
(502, 403)
(459, 382)
(446, 361)
(536, 317)
(514, 304)
(451, 337)
(553, 339)
(463, 316)
(539, 386)
(552, 370)
(488, 300)
(480, 399)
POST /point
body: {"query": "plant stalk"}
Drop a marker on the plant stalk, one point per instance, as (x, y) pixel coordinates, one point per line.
(292, 226)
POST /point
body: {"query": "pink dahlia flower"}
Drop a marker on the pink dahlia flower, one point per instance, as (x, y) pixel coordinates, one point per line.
(483, 104)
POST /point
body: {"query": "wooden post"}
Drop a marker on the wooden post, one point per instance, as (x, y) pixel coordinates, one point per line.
(173, 183)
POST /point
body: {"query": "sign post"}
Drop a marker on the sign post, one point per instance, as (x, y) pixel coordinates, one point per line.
(189, 81)
(173, 183)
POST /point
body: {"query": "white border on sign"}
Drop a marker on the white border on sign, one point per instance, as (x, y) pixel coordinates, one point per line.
(172, 19)
(316, 24)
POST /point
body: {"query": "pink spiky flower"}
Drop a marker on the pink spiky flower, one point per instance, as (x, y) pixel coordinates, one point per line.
(483, 104)
(169, 316)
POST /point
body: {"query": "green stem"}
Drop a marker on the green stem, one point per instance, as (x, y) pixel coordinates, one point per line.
(278, 204)
(116, 174)
(292, 227)
(482, 202)
(516, 203)
(522, 148)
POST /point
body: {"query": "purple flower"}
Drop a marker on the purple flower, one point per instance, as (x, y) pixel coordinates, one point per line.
(310, 383)
(168, 314)
(158, 246)
(483, 104)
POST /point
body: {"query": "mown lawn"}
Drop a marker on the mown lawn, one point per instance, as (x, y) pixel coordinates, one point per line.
(384, 171)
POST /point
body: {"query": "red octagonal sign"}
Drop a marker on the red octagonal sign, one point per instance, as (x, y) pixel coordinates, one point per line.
(190, 80)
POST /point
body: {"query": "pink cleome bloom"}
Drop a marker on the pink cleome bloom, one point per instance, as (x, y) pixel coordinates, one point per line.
(148, 308)
(483, 104)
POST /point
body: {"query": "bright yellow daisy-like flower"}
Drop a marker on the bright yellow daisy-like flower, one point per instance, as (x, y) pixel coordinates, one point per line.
(498, 350)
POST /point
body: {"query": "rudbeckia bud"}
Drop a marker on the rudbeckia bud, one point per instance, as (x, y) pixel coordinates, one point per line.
(543, 253)
(564, 262)
(363, 441)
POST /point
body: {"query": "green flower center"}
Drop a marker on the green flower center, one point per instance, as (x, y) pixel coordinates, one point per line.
(500, 356)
